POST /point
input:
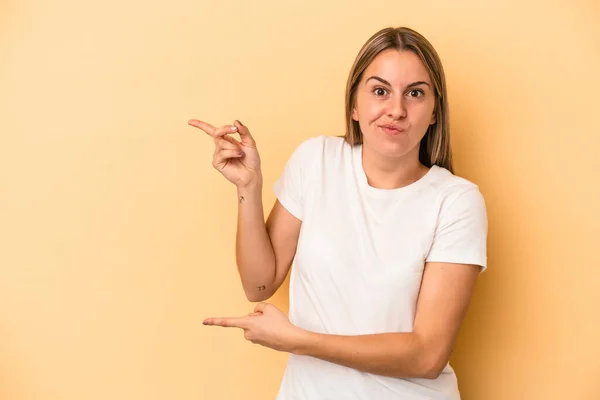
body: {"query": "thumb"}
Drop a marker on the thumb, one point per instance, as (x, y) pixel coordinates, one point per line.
(245, 135)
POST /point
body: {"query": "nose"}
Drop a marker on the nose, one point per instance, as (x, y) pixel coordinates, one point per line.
(397, 108)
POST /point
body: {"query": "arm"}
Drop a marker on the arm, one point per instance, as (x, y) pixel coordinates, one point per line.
(443, 301)
(264, 252)
(453, 264)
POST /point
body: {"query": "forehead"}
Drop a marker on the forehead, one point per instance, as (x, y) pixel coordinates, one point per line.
(397, 67)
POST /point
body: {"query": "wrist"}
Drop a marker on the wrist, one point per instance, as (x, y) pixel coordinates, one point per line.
(250, 193)
(252, 187)
(301, 342)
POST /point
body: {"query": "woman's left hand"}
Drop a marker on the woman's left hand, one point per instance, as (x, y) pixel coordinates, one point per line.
(267, 326)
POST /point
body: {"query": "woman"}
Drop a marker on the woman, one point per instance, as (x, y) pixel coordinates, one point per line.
(386, 242)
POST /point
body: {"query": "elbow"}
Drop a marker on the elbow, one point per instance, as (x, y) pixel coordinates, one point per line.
(433, 366)
(431, 357)
(255, 296)
(433, 372)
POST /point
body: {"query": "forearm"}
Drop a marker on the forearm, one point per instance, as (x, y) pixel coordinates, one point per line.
(400, 355)
(254, 252)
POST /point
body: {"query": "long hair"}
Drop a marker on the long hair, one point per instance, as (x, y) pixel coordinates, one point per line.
(435, 146)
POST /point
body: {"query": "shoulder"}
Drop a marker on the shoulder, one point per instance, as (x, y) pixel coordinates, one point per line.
(316, 149)
(456, 195)
(321, 143)
(311, 155)
(461, 228)
(451, 187)
(303, 170)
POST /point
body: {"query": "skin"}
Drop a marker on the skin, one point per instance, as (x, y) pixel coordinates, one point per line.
(395, 91)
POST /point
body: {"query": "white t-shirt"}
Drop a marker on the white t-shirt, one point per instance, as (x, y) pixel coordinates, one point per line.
(360, 259)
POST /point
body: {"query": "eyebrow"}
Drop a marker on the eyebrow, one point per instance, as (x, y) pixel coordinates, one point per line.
(417, 83)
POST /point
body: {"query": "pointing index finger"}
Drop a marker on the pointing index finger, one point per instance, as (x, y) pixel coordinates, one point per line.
(208, 128)
(234, 322)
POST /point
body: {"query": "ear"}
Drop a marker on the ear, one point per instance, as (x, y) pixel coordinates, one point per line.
(433, 118)
(354, 114)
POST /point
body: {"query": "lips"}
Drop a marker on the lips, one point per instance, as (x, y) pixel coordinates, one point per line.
(391, 129)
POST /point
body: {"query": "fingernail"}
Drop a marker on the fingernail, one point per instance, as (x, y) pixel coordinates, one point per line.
(234, 128)
(205, 323)
(241, 154)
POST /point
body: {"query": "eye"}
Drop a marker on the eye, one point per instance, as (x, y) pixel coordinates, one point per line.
(379, 91)
(416, 93)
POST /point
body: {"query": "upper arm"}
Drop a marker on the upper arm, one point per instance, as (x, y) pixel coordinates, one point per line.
(283, 229)
(457, 256)
(443, 301)
(291, 190)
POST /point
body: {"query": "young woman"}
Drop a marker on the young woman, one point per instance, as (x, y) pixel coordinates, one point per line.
(385, 241)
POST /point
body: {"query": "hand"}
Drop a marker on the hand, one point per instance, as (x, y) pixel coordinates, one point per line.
(267, 326)
(238, 161)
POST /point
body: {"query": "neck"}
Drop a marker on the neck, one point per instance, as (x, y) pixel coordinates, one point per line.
(392, 172)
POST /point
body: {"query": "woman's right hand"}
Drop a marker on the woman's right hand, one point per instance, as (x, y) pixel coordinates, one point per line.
(238, 161)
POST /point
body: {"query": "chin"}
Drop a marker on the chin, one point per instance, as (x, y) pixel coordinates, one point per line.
(388, 148)
(394, 153)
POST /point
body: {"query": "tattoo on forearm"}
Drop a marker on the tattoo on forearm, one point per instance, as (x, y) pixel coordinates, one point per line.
(261, 288)
(242, 199)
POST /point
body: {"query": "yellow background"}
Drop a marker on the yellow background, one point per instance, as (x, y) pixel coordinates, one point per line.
(117, 236)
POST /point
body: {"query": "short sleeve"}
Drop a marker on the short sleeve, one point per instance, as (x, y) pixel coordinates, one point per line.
(461, 234)
(291, 187)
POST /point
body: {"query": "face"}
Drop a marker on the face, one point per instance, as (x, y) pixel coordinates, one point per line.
(395, 103)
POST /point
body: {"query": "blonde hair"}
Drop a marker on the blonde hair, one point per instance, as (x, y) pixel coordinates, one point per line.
(435, 146)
